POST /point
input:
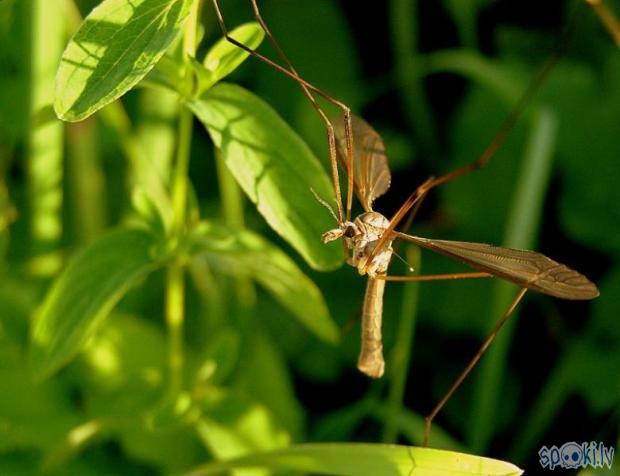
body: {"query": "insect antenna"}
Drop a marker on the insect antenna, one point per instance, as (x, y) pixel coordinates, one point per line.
(325, 204)
(409, 267)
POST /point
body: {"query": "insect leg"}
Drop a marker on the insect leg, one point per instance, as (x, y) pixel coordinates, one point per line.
(435, 277)
(533, 87)
(470, 366)
(608, 19)
(307, 88)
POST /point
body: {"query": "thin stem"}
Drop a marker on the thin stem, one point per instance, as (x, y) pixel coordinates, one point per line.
(86, 182)
(45, 137)
(401, 354)
(607, 17)
(232, 208)
(230, 194)
(175, 278)
(175, 306)
(403, 18)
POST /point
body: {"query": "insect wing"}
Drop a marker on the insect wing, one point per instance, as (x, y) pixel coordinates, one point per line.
(525, 268)
(371, 172)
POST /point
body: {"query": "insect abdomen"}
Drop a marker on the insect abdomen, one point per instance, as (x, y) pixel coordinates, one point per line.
(370, 361)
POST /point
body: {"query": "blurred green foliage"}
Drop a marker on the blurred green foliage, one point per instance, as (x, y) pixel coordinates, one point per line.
(161, 318)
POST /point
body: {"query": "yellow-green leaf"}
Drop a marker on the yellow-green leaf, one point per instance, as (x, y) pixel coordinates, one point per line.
(224, 57)
(366, 460)
(84, 293)
(118, 43)
(241, 252)
(275, 168)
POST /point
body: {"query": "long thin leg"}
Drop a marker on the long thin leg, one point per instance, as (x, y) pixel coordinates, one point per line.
(435, 277)
(470, 366)
(411, 217)
(607, 17)
(347, 112)
(484, 158)
(306, 87)
(534, 86)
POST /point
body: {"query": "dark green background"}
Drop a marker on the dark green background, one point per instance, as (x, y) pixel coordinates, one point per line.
(560, 381)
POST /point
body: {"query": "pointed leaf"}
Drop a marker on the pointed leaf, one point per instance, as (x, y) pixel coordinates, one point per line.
(234, 425)
(275, 168)
(241, 252)
(115, 47)
(367, 459)
(84, 293)
(224, 57)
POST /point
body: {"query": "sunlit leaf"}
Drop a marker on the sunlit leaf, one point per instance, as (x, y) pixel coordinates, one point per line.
(84, 293)
(367, 459)
(240, 252)
(122, 366)
(24, 404)
(224, 57)
(275, 168)
(329, 59)
(264, 374)
(234, 425)
(115, 47)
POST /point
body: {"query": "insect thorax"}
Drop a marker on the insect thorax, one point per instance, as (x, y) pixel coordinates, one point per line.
(369, 227)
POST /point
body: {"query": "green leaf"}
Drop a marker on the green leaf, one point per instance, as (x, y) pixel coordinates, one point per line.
(224, 57)
(115, 47)
(122, 367)
(264, 374)
(241, 252)
(275, 168)
(234, 425)
(367, 459)
(84, 293)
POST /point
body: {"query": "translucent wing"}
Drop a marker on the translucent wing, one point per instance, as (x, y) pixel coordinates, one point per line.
(526, 268)
(370, 167)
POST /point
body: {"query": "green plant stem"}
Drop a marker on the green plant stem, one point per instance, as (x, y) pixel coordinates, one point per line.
(156, 128)
(175, 278)
(86, 180)
(401, 354)
(521, 229)
(45, 140)
(230, 193)
(464, 14)
(232, 208)
(403, 21)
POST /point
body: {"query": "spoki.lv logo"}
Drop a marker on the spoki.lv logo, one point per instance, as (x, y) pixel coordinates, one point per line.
(573, 455)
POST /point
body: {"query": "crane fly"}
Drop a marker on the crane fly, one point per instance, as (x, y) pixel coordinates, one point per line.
(368, 238)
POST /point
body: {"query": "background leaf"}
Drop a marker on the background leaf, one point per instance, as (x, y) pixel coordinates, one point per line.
(245, 253)
(275, 168)
(85, 292)
(116, 46)
(224, 57)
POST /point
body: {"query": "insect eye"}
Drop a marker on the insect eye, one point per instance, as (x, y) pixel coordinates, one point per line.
(349, 232)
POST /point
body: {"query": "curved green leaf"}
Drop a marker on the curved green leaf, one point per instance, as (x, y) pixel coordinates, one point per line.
(84, 293)
(224, 57)
(241, 252)
(275, 168)
(234, 425)
(366, 459)
(115, 47)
